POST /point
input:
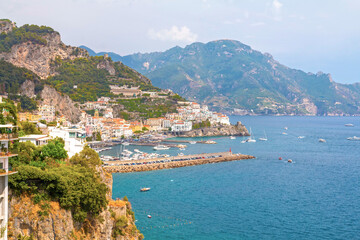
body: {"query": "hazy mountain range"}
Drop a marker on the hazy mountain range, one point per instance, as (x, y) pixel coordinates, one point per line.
(230, 76)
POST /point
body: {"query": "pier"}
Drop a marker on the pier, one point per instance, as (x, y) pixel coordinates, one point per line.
(172, 162)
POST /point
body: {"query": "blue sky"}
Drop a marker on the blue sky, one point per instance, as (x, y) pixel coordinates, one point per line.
(308, 35)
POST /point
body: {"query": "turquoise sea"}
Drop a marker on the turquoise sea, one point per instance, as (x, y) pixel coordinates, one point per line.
(315, 197)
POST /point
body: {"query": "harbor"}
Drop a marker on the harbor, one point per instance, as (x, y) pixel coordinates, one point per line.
(172, 162)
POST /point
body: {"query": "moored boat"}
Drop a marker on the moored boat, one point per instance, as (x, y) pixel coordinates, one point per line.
(354, 138)
(144, 189)
(161, 147)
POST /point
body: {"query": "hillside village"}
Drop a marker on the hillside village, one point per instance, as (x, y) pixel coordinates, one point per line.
(106, 128)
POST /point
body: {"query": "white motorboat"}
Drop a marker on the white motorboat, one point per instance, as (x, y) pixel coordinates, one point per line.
(192, 142)
(349, 125)
(125, 143)
(322, 140)
(232, 137)
(161, 147)
(354, 138)
(301, 137)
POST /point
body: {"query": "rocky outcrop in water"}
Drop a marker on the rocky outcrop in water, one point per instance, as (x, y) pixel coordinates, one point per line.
(224, 130)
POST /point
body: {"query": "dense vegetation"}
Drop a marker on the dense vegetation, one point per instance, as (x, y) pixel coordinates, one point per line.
(146, 107)
(11, 78)
(44, 173)
(202, 124)
(26, 33)
(83, 80)
(8, 113)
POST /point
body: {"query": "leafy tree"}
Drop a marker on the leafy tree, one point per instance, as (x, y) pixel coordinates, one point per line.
(98, 136)
(29, 128)
(54, 149)
(28, 153)
(8, 112)
(86, 158)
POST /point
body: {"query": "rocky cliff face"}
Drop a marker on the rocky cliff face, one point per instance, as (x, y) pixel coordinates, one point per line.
(49, 96)
(38, 58)
(27, 219)
(62, 103)
(6, 26)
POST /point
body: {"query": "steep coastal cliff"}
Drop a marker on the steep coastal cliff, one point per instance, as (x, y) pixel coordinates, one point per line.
(35, 57)
(47, 220)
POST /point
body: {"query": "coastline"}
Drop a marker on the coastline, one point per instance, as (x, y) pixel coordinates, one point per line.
(175, 162)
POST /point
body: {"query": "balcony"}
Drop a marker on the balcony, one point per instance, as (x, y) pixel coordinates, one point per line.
(9, 136)
(7, 154)
(7, 172)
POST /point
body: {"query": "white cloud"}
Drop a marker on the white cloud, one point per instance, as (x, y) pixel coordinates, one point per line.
(277, 5)
(181, 34)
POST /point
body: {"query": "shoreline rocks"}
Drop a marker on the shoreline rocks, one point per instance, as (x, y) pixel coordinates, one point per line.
(223, 130)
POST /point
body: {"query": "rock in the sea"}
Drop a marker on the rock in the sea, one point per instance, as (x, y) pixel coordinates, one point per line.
(223, 130)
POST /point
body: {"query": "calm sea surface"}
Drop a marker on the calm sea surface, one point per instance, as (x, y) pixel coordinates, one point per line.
(315, 197)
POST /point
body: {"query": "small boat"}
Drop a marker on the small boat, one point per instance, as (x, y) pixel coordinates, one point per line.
(232, 137)
(280, 158)
(250, 139)
(289, 161)
(322, 140)
(263, 138)
(354, 138)
(349, 125)
(284, 133)
(301, 137)
(149, 216)
(144, 189)
(125, 143)
(192, 142)
(180, 154)
(182, 148)
(161, 147)
(210, 142)
(286, 128)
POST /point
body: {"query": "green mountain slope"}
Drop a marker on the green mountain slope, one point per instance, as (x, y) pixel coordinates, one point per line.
(230, 76)
(34, 61)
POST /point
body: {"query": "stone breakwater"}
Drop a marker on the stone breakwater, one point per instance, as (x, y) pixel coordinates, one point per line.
(174, 162)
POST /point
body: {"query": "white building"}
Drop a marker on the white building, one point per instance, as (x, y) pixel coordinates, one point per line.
(36, 139)
(181, 126)
(74, 139)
